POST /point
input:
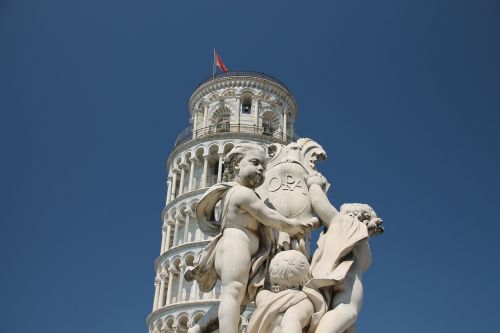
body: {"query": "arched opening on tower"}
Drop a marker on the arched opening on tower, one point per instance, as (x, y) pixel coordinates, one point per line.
(157, 327)
(221, 119)
(197, 317)
(246, 104)
(213, 164)
(269, 122)
(169, 324)
(182, 323)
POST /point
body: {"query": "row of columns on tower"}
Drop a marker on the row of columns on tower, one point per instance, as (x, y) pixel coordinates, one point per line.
(180, 229)
(181, 322)
(171, 288)
(254, 110)
(176, 183)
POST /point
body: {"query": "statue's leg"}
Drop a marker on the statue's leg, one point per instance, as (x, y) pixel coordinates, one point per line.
(346, 306)
(232, 262)
(209, 322)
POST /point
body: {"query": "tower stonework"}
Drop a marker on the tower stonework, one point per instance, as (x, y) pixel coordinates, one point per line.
(225, 110)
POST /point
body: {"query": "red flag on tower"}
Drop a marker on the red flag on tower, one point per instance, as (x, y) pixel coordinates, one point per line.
(219, 63)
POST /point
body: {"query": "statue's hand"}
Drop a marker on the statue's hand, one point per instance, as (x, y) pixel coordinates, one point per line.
(300, 228)
(374, 226)
(316, 178)
(313, 223)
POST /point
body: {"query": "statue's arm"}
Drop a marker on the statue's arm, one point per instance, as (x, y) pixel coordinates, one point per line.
(319, 201)
(322, 206)
(247, 200)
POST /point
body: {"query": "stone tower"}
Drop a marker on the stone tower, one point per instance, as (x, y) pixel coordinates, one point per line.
(225, 110)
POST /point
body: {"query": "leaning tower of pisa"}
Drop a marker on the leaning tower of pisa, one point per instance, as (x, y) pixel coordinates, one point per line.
(224, 111)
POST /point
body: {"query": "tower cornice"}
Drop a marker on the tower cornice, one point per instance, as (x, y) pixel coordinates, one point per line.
(255, 80)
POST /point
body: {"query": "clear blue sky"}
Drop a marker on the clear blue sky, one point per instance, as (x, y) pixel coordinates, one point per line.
(403, 95)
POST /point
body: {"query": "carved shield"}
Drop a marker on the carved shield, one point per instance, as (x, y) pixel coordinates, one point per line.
(285, 187)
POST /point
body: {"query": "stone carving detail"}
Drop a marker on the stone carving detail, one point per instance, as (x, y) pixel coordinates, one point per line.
(285, 187)
(260, 245)
(239, 252)
(289, 306)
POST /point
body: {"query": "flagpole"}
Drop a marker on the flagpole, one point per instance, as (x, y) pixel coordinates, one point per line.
(213, 66)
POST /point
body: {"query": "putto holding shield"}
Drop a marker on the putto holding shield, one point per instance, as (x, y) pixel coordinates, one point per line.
(265, 217)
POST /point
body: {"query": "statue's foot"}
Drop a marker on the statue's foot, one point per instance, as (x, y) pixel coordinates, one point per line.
(195, 329)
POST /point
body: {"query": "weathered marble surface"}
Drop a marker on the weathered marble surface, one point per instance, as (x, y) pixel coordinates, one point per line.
(239, 252)
(290, 306)
(260, 248)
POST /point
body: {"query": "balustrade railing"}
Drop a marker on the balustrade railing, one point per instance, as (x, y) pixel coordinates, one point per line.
(189, 134)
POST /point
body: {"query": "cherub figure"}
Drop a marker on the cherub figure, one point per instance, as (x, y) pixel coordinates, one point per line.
(238, 252)
(289, 307)
(342, 256)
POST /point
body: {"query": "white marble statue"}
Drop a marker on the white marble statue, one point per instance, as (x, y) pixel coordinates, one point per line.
(243, 240)
(289, 307)
(285, 188)
(261, 216)
(342, 256)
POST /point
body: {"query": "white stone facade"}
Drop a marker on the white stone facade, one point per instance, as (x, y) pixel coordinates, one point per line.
(227, 110)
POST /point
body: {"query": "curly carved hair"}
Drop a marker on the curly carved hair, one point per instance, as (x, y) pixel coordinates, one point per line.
(359, 211)
(234, 156)
(289, 269)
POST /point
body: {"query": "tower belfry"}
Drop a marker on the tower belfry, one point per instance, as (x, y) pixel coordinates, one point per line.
(225, 110)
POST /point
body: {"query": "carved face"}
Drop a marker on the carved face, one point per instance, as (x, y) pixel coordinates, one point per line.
(250, 169)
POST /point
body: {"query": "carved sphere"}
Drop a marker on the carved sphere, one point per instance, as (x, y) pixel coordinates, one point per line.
(289, 269)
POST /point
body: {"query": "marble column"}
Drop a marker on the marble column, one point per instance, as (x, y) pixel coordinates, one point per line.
(169, 288)
(205, 171)
(284, 125)
(195, 123)
(181, 279)
(161, 303)
(256, 113)
(194, 291)
(191, 173)
(219, 171)
(205, 117)
(186, 226)
(157, 293)
(197, 233)
(167, 241)
(181, 184)
(174, 186)
(163, 238)
(238, 102)
(169, 188)
(176, 230)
